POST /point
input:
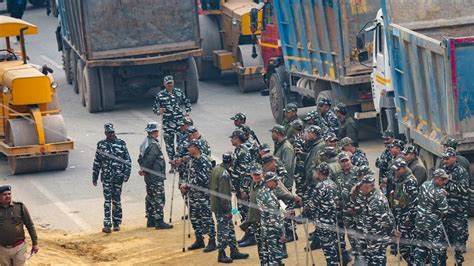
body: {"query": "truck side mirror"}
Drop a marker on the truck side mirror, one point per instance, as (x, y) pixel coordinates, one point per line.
(363, 56)
(253, 19)
(360, 40)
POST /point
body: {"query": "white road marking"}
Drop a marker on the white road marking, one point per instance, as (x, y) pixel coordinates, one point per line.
(81, 223)
(51, 61)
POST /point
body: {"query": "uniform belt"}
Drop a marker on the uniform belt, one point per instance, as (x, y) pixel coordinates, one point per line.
(16, 244)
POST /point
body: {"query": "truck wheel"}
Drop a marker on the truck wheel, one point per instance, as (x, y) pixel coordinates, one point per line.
(251, 82)
(277, 97)
(38, 3)
(92, 89)
(192, 83)
(80, 81)
(107, 86)
(211, 41)
(67, 64)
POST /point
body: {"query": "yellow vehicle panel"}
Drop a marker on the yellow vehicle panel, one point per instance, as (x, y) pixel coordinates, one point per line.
(11, 27)
(240, 11)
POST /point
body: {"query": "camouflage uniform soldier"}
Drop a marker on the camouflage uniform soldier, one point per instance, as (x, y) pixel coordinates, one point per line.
(432, 206)
(403, 201)
(346, 179)
(240, 120)
(172, 104)
(329, 156)
(323, 209)
(310, 118)
(348, 125)
(395, 150)
(330, 140)
(299, 147)
(284, 151)
(327, 120)
(456, 221)
(384, 159)
(250, 141)
(181, 158)
(222, 208)
(296, 128)
(291, 115)
(416, 165)
(378, 222)
(200, 209)
(314, 144)
(153, 167)
(271, 219)
(452, 143)
(113, 161)
(195, 135)
(358, 157)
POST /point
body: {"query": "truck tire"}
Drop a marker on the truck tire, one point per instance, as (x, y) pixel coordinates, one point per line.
(277, 96)
(67, 63)
(38, 3)
(211, 41)
(107, 86)
(92, 91)
(192, 82)
(80, 80)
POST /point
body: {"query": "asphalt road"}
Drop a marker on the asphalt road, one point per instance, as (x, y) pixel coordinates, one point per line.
(67, 200)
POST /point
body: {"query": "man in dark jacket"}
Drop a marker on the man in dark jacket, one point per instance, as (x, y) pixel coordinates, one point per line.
(153, 167)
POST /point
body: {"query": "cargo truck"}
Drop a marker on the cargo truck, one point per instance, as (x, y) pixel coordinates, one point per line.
(318, 44)
(422, 80)
(115, 50)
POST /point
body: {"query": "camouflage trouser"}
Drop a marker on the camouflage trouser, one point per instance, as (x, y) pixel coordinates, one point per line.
(225, 232)
(328, 237)
(155, 199)
(112, 204)
(201, 216)
(350, 225)
(406, 234)
(457, 231)
(375, 252)
(299, 177)
(169, 136)
(273, 250)
(429, 244)
(260, 243)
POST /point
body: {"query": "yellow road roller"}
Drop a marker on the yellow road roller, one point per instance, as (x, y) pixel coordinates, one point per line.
(32, 131)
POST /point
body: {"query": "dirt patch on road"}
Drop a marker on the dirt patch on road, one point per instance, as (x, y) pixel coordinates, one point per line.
(140, 246)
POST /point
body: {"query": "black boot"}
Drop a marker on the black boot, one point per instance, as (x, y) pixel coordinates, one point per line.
(150, 222)
(211, 245)
(236, 255)
(346, 257)
(442, 260)
(199, 243)
(315, 244)
(250, 241)
(162, 225)
(246, 235)
(289, 238)
(222, 257)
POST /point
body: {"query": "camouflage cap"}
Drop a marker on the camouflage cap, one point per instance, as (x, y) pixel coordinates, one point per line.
(227, 157)
(192, 130)
(291, 107)
(109, 127)
(410, 149)
(196, 143)
(341, 108)
(345, 141)
(323, 168)
(256, 169)
(331, 137)
(5, 188)
(278, 128)
(313, 129)
(449, 152)
(239, 116)
(324, 101)
(270, 176)
(399, 163)
(151, 127)
(329, 152)
(187, 120)
(397, 143)
(368, 179)
(343, 156)
(168, 79)
(264, 147)
(237, 133)
(364, 170)
(310, 116)
(387, 134)
(450, 142)
(440, 173)
(297, 124)
(267, 158)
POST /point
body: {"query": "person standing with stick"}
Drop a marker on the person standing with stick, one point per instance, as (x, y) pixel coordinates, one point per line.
(153, 167)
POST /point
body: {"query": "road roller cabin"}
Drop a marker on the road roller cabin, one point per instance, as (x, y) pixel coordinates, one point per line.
(32, 131)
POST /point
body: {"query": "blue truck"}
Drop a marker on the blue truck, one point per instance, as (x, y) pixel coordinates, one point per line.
(422, 78)
(318, 43)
